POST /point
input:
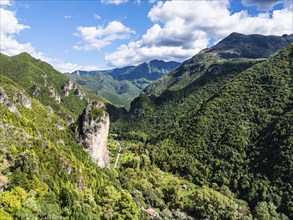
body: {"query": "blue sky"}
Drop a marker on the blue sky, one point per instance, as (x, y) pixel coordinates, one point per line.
(104, 34)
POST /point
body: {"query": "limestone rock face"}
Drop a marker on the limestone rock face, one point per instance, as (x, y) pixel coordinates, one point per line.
(11, 103)
(69, 86)
(93, 130)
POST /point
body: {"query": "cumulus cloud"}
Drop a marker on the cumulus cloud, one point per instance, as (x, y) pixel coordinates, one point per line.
(183, 28)
(9, 23)
(113, 2)
(10, 27)
(5, 2)
(264, 5)
(289, 5)
(67, 16)
(95, 38)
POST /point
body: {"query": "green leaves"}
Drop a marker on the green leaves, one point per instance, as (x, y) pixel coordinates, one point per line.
(27, 163)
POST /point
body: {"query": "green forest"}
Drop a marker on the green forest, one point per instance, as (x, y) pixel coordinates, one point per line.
(215, 144)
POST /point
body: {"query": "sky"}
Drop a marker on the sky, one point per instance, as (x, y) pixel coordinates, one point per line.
(104, 34)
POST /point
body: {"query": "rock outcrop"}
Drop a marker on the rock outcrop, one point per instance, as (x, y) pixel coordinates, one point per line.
(11, 103)
(93, 126)
(54, 94)
(69, 86)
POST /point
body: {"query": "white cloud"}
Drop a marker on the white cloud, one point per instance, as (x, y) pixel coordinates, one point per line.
(97, 17)
(64, 67)
(95, 38)
(264, 5)
(10, 26)
(5, 2)
(67, 16)
(9, 23)
(289, 5)
(113, 2)
(183, 28)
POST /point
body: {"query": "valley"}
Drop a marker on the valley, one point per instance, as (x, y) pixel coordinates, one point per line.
(121, 85)
(210, 138)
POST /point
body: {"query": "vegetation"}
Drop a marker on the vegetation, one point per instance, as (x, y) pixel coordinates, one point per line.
(41, 81)
(217, 145)
(48, 175)
(231, 130)
(104, 85)
(121, 85)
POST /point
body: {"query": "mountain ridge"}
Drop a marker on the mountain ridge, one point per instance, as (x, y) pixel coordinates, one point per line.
(43, 82)
(234, 46)
(218, 146)
(121, 85)
(230, 129)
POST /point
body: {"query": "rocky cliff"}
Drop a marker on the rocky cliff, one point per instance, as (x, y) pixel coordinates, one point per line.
(93, 126)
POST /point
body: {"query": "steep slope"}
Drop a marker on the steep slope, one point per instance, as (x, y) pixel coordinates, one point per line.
(41, 81)
(235, 46)
(121, 85)
(240, 137)
(231, 127)
(104, 85)
(44, 174)
(93, 129)
(152, 114)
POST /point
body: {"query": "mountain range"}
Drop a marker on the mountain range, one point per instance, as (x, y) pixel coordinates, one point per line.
(211, 139)
(121, 85)
(234, 47)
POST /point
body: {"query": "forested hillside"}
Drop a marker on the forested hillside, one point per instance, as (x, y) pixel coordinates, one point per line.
(216, 143)
(234, 47)
(121, 85)
(42, 82)
(235, 133)
(45, 174)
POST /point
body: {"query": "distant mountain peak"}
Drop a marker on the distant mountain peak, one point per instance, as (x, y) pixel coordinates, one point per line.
(121, 85)
(238, 45)
(235, 46)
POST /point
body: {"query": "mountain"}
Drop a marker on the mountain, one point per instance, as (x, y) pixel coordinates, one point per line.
(48, 169)
(231, 127)
(44, 172)
(121, 85)
(218, 147)
(41, 81)
(234, 47)
(104, 85)
(250, 46)
(52, 170)
(149, 70)
(240, 137)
